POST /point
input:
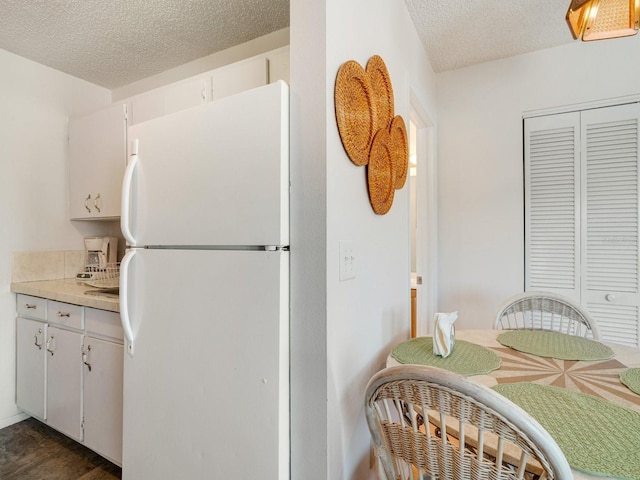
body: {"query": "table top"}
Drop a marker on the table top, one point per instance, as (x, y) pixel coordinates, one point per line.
(600, 378)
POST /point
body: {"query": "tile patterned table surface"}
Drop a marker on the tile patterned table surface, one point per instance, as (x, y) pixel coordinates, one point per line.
(600, 378)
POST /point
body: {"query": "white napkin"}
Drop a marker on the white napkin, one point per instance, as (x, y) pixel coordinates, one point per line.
(444, 333)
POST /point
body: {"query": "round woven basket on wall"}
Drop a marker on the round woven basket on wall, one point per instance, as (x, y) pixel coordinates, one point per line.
(369, 130)
(356, 111)
(381, 173)
(400, 150)
(382, 91)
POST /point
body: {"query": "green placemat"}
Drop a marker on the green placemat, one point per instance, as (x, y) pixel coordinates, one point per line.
(466, 358)
(631, 378)
(596, 436)
(546, 343)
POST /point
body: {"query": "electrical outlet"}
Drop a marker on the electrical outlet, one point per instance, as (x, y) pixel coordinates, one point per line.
(347, 261)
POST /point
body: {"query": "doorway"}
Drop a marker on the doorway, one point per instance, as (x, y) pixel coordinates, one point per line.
(423, 219)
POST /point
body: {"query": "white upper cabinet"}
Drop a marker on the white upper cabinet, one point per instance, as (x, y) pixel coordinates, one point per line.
(97, 159)
(212, 85)
(239, 77)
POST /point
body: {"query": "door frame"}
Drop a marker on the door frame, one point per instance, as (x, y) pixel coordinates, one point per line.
(427, 209)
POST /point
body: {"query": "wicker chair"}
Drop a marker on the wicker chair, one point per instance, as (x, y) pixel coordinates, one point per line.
(472, 432)
(548, 311)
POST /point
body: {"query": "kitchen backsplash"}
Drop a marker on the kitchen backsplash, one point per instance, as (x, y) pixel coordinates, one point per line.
(46, 265)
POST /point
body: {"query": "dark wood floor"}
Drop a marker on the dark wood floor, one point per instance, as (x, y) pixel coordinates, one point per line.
(29, 450)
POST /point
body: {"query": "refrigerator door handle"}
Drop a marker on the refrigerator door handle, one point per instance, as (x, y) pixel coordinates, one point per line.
(125, 214)
(124, 299)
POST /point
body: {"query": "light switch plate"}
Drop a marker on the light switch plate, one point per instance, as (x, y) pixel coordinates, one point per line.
(347, 261)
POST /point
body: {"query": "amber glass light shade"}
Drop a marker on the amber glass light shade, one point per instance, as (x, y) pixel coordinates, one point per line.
(601, 19)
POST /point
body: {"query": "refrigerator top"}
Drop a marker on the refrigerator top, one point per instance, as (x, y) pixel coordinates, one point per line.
(212, 175)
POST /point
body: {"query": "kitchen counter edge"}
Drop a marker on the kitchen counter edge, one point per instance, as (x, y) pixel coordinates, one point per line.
(67, 290)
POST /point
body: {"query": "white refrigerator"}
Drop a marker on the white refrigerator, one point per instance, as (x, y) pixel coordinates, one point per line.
(204, 291)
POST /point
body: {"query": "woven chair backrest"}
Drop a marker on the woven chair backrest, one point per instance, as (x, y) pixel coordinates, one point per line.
(428, 423)
(540, 310)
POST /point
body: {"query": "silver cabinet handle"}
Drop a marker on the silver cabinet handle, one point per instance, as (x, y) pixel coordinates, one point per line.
(35, 339)
(30, 305)
(609, 297)
(49, 345)
(63, 314)
(85, 355)
(86, 200)
(95, 202)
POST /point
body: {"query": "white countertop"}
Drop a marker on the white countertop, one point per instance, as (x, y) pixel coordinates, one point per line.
(67, 290)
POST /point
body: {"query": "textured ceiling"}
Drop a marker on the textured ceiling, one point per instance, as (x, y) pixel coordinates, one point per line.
(458, 33)
(116, 42)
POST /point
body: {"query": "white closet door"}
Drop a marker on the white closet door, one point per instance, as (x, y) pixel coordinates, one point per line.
(609, 143)
(552, 220)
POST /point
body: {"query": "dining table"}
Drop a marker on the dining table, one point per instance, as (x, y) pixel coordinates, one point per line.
(595, 380)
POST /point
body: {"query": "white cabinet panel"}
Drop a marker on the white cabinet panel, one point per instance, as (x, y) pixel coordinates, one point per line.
(31, 366)
(189, 93)
(103, 323)
(64, 381)
(65, 314)
(146, 106)
(31, 307)
(97, 158)
(103, 397)
(239, 77)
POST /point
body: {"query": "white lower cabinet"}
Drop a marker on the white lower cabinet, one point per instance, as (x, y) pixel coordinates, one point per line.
(64, 381)
(31, 366)
(103, 363)
(69, 371)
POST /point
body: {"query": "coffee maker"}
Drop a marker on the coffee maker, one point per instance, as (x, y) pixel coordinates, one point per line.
(100, 254)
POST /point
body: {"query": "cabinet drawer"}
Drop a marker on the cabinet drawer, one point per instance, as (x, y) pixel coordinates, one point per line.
(32, 307)
(104, 323)
(65, 314)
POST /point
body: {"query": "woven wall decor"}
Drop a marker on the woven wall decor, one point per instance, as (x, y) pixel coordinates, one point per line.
(355, 111)
(371, 133)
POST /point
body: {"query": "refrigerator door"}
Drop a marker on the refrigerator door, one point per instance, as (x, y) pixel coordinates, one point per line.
(217, 174)
(206, 393)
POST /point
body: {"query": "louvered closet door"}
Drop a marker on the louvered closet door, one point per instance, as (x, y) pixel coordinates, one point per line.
(552, 220)
(609, 143)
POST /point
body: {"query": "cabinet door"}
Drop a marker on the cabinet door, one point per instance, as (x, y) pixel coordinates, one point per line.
(103, 398)
(64, 381)
(31, 366)
(186, 94)
(239, 77)
(97, 159)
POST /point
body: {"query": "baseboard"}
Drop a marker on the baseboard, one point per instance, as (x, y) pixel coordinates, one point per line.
(18, 417)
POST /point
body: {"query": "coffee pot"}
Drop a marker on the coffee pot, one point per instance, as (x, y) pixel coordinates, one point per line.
(100, 252)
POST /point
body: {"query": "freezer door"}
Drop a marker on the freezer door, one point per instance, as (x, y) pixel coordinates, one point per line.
(206, 392)
(217, 174)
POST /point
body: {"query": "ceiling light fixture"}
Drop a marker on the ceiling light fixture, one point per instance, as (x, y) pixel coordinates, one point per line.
(600, 19)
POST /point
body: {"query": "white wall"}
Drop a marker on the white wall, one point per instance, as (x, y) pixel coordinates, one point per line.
(480, 161)
(35, 104)
(346, 327)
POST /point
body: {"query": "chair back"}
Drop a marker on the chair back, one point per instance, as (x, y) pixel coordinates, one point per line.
(545, 311)
(428, 423)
